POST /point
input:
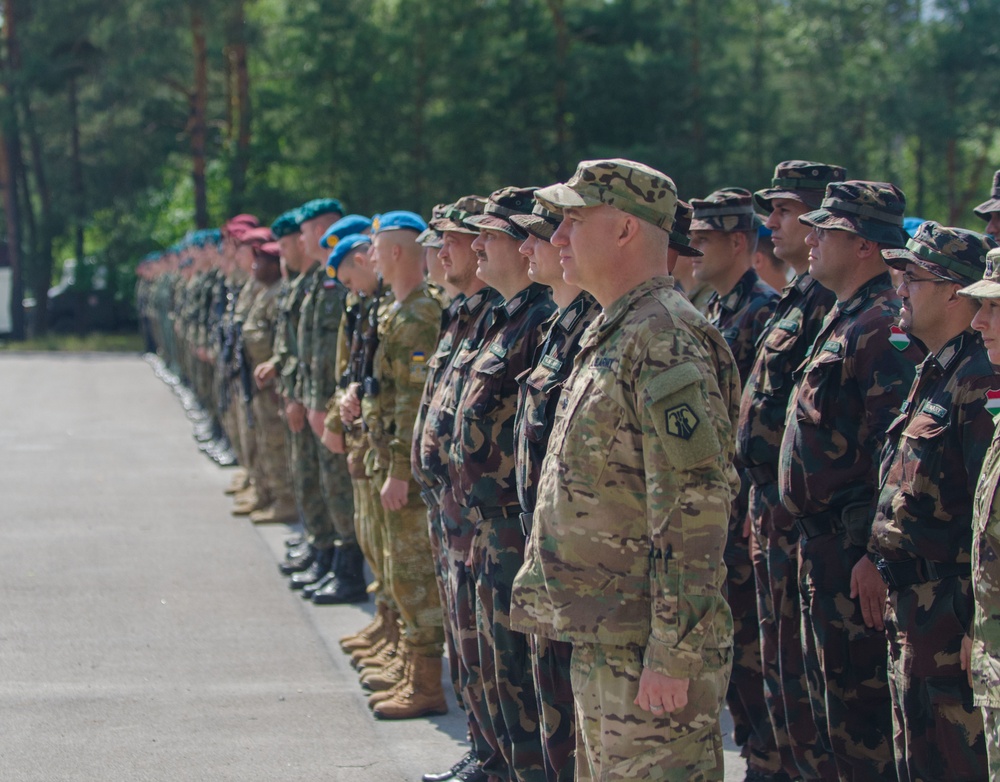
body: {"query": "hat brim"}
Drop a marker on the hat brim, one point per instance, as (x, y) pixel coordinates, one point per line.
(493, 223)
(430, 238)
(763, 198)
(685, 250)
(883, 233)
(984, 289)
(537, 226)
(898, 258)
(446, 224)
(562, 196)
(986, 208)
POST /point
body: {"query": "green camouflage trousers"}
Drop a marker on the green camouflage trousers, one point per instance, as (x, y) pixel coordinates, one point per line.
(991, 724)
(336, 492)
(409, 569)
(320, 531)
(938, 732)
(620, 741)
(550, 667)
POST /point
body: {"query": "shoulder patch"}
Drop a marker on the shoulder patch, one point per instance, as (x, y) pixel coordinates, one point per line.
(681, 421)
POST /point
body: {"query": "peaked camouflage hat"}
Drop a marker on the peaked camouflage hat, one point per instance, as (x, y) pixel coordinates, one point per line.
(431, 237)
(500, 207)
(541, 223)
(799, 180)
(989, 286)
(624, 184)
(729, 210)
(993, 203)
(952, 254)
(680, 238)
(454, 216)
(872, 210)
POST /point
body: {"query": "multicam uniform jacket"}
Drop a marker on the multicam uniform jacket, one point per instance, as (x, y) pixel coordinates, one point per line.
(635, 490)
(850, 389)
(933, 453)
(481, 467)
(986, 582)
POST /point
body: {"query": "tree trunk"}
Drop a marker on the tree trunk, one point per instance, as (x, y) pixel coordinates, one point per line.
(697, 126)
(79, 196)
(559, 89)
(198, 125)
(9, 153)
(243, 109)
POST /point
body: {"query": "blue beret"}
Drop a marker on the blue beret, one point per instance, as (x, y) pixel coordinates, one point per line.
(911, 224)
(318, 207)
(763, 232)
(286, 224)
(344, 246)
(397, 221)
(352, 224)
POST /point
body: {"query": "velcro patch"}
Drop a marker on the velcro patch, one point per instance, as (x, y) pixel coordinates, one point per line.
(681, 421)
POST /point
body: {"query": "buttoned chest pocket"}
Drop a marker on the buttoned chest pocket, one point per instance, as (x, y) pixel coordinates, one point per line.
(776, 358)
(541, 388)
(921, 444)
(592, 420)
(820, 386)
(485, 387)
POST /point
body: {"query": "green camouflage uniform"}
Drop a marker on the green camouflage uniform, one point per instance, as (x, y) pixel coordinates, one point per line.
(484, 485)
(625, 560)
(407, 331)
(541, 387)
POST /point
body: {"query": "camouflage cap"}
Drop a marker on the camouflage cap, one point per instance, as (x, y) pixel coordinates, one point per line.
(993, 203)
(799, 180)
(541, 223)
(286, 224)
(624, 184)
(680, 239)
(872, 210)
(455, 214)
(430, 236)
(952, 254)
(989, 286)
(729, 210)
(500, 206)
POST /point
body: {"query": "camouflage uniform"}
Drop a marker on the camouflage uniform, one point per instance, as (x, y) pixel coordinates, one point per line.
(640, 448)
(407, 332)
(850, 388)
(740, 315)
(271, 473)
(450, 534)
(922, 532)
(781, 348)
(484, 485)
(990, 207)
(241, 393)
(541, 387)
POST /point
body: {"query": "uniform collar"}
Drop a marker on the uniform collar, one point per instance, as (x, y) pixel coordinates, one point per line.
(523, 298)
(953, 350)
(623, 304)
(741, 292)
(576, 309)
(875, 285)
(472, 304)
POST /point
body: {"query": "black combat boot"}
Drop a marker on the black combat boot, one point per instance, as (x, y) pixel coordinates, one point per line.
(349, 585)
(319, 568)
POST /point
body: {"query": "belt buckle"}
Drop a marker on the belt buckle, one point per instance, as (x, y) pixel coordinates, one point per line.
(885, 571)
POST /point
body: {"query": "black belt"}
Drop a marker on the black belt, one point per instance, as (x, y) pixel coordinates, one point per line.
(498, 512)
(762, 474)
(907, 572)
(818, 524)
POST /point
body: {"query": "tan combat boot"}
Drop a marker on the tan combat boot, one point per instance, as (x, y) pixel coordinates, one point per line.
(365, 637)
(241, 479)
(380, 656)
(381, 679)
(248, 503)
(281, 512)
(422, 697)
(389, 634)
(403, 685)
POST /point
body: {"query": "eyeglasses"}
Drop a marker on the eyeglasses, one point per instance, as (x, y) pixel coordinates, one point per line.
(909, 279)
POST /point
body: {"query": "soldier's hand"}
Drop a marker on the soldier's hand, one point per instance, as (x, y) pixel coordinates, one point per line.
(965, 657)
(333, 441)
(295, 415)
(317, 419)
(870, 590)
(659, 693)
(350, 404)
(394, 493)
(264, 374)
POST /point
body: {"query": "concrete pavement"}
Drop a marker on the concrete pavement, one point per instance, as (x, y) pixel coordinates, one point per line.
(145, 634)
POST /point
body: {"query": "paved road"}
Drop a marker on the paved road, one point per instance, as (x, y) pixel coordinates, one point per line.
(145, 634)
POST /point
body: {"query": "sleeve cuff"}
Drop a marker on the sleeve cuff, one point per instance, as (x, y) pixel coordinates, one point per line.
(671, 661)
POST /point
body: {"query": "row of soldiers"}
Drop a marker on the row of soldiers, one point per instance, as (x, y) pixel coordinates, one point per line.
(616, 510)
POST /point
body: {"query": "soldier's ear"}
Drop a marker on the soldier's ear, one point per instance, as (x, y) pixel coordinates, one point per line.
(628, 230)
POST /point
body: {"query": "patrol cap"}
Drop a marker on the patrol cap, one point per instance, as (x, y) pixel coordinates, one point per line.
(680, 238)
(455, 214)
(989, 286)
(286, 224)
(799, 180)
(729, 210)
(992, 204)
(624, 184)
(541, 223)
(352, 224)
(318, 207)
(952, 254)
(345, 245)
(398, 221)
(872, 210)
(501, 206)
(431, 237)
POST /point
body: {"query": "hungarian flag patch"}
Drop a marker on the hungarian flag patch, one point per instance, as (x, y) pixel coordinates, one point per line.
(898, 338)
(993, 402)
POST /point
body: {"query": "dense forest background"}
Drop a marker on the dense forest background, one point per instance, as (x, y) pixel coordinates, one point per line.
(126, 123)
